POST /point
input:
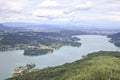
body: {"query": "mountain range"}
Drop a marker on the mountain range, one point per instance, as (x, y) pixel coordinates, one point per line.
(23, 26)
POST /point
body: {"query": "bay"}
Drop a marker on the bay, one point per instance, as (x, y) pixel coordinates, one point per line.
(9, 60)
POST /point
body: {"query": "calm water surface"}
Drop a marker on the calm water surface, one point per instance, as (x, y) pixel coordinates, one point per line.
(9, 60)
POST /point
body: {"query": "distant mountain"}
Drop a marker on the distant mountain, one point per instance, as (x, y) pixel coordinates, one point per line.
(44, 27)
(38, 26)
(5, 28)
(33, 26)
(50, 26)
(18, 24)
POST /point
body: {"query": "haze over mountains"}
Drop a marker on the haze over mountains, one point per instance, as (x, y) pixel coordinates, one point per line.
(47, 14)
(6, 28)
(37, 27)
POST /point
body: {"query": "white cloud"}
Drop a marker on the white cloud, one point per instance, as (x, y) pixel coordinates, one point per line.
(48, 13)
(115, 13)
(13, 4)
(83, 5)
(48, 3)
(60, 10)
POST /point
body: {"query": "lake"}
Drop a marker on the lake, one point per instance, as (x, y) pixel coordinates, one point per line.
(9, 60)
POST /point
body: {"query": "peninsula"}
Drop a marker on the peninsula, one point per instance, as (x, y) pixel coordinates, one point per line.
(38, 43)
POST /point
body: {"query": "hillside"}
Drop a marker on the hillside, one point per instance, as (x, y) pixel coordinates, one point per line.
(115, 38)
(96, 66)
(6, 29)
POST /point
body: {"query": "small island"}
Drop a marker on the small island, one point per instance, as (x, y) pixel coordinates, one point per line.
(21, 70)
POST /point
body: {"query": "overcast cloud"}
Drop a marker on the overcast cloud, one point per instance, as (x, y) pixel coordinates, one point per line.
(61, 11)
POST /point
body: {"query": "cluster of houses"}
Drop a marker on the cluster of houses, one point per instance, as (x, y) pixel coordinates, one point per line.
(21, 70)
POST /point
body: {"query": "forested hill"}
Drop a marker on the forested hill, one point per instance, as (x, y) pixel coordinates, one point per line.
(115, 38)
(96, 66)
(38, 43)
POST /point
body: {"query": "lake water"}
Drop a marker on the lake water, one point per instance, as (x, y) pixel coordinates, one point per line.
(9, 60)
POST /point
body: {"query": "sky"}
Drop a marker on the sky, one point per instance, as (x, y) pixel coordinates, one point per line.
(79, 12)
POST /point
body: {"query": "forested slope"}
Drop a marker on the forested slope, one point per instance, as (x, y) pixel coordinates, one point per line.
(96, 66)
(115, 38)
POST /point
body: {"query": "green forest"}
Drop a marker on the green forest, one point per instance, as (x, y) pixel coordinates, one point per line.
(102, 65)
(38, 43)
(115, 38)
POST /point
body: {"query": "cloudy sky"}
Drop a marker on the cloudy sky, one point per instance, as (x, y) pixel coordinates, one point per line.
(81, 12)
